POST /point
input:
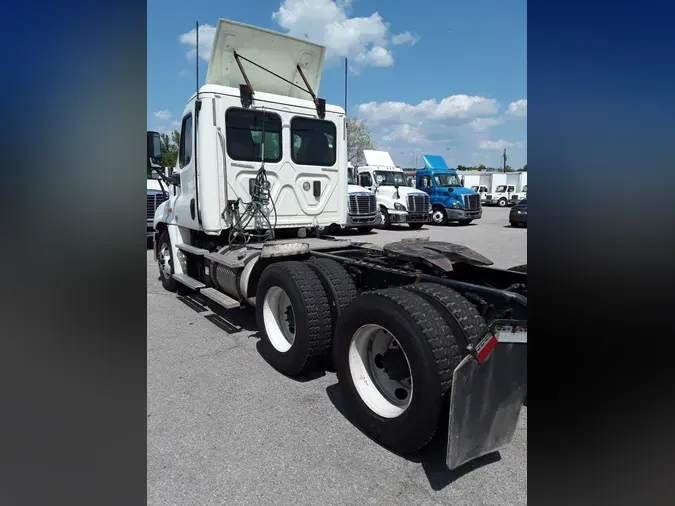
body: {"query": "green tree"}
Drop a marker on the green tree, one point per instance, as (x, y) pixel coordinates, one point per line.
(358, 139)
(524, 169)
(169, 147)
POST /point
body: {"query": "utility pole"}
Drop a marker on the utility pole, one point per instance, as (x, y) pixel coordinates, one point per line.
(504, 156)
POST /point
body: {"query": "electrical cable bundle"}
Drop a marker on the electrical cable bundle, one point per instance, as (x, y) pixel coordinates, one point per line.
(255, 210)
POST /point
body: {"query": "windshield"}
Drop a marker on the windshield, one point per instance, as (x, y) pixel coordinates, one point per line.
(446, 180)
(390, 177)
(522, 202)
(501, 188)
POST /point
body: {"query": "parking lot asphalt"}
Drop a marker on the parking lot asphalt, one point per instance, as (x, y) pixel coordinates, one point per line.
(226, 428)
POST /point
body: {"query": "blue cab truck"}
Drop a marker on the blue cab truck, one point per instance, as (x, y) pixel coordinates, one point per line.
(450, 201)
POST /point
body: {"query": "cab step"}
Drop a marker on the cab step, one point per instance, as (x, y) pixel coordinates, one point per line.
(188, 281)
(220, 298)
(192, 249)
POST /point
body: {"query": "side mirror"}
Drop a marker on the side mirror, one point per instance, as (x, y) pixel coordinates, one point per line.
(174, 179)
(154, 148)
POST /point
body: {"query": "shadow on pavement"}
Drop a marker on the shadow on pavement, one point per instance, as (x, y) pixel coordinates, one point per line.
(311, 376)
(432, 456)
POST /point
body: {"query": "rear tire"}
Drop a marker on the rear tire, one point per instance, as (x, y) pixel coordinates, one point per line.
(340, 289)
(337, 283)
(295, 340)
(431, 356)
(502, 202)
(415, 226)
(165, 262)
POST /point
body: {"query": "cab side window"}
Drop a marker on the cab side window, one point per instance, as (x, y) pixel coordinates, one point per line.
(365, 179)
(425, 182)
(185, 154)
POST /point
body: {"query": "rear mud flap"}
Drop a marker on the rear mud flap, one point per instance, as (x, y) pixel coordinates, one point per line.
(485, 403)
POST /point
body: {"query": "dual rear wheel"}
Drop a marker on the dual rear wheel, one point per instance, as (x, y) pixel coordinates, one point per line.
(394, 350)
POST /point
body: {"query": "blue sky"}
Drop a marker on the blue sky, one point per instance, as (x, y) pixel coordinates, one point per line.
(447, 78)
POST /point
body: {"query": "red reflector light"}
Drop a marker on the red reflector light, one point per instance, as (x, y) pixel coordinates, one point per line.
(483, 352)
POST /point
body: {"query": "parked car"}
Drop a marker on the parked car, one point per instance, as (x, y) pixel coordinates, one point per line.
(518, 214)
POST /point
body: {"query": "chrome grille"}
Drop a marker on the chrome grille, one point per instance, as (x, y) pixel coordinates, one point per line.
(153, 202)
(471, 202)
(418, 203)
(361, 205)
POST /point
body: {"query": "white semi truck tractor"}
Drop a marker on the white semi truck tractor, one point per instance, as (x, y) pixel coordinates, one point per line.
(423, 335)
(362, 210)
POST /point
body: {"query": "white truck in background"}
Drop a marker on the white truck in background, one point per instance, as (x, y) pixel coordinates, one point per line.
(362, 210)
(423, 334)
(398, 202)
(477, 181)
(156, 192)
(521, 188)
(505, 187)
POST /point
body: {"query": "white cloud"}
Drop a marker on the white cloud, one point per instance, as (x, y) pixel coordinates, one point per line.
(164, 115)
(206, 34)
(363, 40)
(184, 72)
(175, 124)
(500, 144)
(482, 125)
(455, 109)
(404, 38)
(518, 108)
(405, 133)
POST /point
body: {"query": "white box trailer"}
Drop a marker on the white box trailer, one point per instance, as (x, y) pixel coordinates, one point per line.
(478, 181)
(422, 334)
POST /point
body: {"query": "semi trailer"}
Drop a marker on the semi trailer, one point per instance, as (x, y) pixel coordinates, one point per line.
(422, 334)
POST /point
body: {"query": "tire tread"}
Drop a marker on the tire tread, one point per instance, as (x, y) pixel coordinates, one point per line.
(317, 307)
(339, 279)
(464, 314)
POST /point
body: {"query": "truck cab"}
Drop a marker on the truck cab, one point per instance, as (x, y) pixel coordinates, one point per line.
(519, 195)
(398, 202)
(501, 196)
(362, 211)
(481, 190)
(450, 201)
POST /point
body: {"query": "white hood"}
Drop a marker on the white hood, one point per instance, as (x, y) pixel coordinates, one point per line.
(403, 191)
(275, 51)
(354, 188)
(153, 184)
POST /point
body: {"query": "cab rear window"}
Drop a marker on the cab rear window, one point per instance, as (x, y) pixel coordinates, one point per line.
(313, 142)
